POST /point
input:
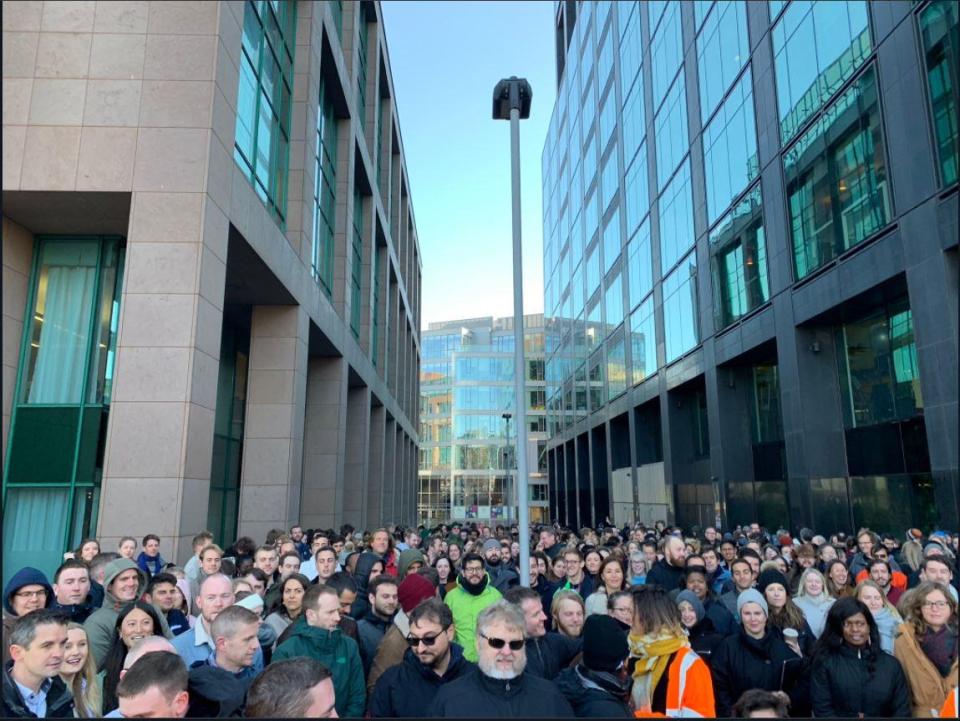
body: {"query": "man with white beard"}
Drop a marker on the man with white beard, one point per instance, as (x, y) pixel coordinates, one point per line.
(499, 686)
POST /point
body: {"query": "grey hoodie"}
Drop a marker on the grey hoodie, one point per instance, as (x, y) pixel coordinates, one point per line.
(100, 625)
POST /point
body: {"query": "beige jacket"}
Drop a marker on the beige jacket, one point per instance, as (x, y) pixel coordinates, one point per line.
(928, 689)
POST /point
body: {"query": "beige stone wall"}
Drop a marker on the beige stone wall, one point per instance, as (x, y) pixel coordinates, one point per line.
(17, 258)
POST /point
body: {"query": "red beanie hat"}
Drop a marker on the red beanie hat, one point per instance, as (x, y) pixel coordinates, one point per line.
(414, 589)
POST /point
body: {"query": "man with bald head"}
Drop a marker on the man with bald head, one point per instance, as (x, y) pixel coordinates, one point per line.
(668, 571)
(197, 644)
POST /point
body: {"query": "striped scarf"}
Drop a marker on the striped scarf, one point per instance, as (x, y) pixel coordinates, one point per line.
(652, 654)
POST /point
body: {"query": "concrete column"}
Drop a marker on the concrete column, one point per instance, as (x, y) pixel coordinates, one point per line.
(389, 469)
(272, 471)
(357, 459)
(324, 442)
(375, 448)
(17, 260)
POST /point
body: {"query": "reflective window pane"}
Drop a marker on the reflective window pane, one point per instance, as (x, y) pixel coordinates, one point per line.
(670, 125)
(636, 189)
(611, 241)
(616, 366)
(676, 219)
(613, 302)
(680, 309)
(640, 265)
(940, 33)
(631, 53)
(666, 50)
(643, 342)
(722, 50)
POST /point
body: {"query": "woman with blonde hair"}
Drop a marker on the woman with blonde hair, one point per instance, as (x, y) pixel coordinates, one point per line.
(813, 599)
(79, 672)
(884, 613)
(926, 646)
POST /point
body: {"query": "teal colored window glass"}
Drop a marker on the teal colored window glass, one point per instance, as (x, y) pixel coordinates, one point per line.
(375, 340)
(940, 34)
(676, 219)
(594, 321)
(482, 368)
(639, 265)
(363, 50)
(672, 140)
(577, 298)
(765, 422)
(700, 10)
(595, 381)
(610, 180)
(634, 123)
(631, 52)
(616, 366)
(817, 46)
(593, 270)
(655, 10)
(680, 308)
(356, 265)
(722, 50)
(613, 301)
(666, 50)
(336, 7)
(483, 398)
(264, 100)
(837, 189)
(730, 149)
(589, 159)
(775, 7)
(608, 118)
(605, 61)
(611, 241)
(643, 342)
(636, 189)
(879, 372)
(324, 193)
(739, 261)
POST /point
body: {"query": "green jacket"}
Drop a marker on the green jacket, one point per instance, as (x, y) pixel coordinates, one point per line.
(338, 653)
(465, 608)
(101, 624)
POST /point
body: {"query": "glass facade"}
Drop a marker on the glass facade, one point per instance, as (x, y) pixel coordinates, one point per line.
(836, 175)
(324, 194)
(264, 100)
(940, 35)
(676, 219)
(356, 264)
(680, 324)
(722, 50)
(738, 255)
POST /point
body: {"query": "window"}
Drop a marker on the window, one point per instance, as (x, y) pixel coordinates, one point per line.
(593, 270)
(324, 193)
(336, 7)
(616, 366)
(631, 53)
(676, 219)
(605, 61)
(363, 48)
(634, 124)
(595, 382)
(722, 50)
(671, 132)
(879, 373)
(680, 308)
(356, 266)
(765, 423)
(639, 265)
(666, 50)
(264, 101)
(611, 241)
(817, 46)
(739, 261)
(643, 342)
(940, 34)
(836, 174)
(730, 149)
(636, 196)
(610, 180)
(613, 302)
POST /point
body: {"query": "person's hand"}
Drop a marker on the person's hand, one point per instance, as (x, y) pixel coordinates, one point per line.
(794, 644)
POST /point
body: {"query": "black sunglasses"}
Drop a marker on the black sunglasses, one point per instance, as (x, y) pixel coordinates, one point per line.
(427, 641)
(499, 643)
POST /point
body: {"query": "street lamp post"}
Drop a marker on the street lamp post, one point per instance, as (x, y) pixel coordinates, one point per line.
(507, 461)
(511, 101)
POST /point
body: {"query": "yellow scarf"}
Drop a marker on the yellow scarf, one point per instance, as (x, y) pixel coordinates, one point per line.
(653, 654)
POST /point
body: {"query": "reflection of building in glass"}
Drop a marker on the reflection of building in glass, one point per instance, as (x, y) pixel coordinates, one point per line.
(748, 263)
(467, 446)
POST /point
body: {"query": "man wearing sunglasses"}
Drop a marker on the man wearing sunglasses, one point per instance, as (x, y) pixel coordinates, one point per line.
(500, 688)
(431, 661)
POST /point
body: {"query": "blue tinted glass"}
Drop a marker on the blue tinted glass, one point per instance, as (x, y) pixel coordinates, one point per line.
(680, 309)
(700, 10)
(593, 270)
(631, 54)
(676, 219)
(613, 303)
(616, 367)
(633, 122)
(643, 342)
(639, 265)
(605, 61)
(610, 180)
(608, 118)
(671, 132)
(666, 52)
(739, 261)
(611, 241)
(722, 50)
(730, 149)
(636, 189)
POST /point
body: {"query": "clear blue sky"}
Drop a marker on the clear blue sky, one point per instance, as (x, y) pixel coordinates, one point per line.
(446, 58)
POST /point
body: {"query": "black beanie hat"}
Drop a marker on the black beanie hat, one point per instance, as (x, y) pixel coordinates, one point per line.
(772, 575)
(604, 643)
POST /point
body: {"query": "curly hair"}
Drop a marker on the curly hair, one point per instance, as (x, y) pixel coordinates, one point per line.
(911, 606)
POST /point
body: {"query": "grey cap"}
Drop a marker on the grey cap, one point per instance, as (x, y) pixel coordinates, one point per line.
(751, 595)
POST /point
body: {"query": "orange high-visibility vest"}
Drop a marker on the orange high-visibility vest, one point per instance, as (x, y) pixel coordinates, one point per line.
(689, 689)
(898, 579)
(951, 705)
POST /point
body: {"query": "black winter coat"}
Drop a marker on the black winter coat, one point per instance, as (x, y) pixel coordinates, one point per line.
(588, 697)
(548, 655)
(523, 697)
(407, 689)
(704, 639)
(850, 684)
(59, 699)
(663, 574)
(741, 663)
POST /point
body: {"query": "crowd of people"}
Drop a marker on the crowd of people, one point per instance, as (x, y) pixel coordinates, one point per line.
(434, 622)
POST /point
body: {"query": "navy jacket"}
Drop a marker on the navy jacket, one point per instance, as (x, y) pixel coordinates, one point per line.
(407, 689)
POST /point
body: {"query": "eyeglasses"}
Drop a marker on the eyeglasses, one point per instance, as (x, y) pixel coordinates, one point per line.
(499, 643)
(31, 594)
(428, 641)
(473, 570)
(935, 604)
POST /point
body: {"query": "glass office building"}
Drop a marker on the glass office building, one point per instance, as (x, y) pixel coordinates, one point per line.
(211, 275)
(750, 263)
(468, 431)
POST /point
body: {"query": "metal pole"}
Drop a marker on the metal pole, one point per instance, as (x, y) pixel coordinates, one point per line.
(520, 375)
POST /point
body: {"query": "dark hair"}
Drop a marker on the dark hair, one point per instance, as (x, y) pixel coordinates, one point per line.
(468, 557)
(518, 594)
(750, 553)
(282, 689)
(313, 594)
(942, 560)
(758, 699)
(382, 580)
(24, 629)
(160, 578)
(277, 605)
(342, 581)
(245, 546)
(67, 565)
(290, 554)
(656, 612)
(432, 609)
(257, 574)
(113, 662)
(612, 558)
(204, 537)
(101, 559)
(161, 669)
(150, 537)
(431, 574)
(84, 542)
(831, 639)
(880, 562)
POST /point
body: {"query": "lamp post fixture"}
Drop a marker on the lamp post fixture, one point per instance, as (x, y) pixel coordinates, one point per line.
(511, 101)
(507, 460)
